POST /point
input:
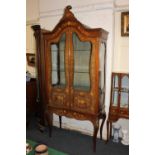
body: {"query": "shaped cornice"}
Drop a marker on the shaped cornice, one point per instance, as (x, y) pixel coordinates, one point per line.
(68, 19)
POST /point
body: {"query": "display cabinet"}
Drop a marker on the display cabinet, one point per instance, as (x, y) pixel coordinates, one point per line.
(71, 65)
(119, 103)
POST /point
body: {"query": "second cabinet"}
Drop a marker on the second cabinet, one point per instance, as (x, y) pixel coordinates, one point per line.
(119, 103)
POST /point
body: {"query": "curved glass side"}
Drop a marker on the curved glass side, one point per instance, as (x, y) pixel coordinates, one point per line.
(102, 56)
(102, 66)
(58, 63)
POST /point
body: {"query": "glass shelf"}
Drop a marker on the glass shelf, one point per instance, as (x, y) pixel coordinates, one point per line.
(116, 89)
(57, 51)
(84, 88)
(56, 70)
(85, 51)
(124, 90)
(59, 85)
(84, 72)
(62, 70)
(74, 51)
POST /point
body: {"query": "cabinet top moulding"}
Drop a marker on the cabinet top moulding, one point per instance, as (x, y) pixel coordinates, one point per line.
(69, 20)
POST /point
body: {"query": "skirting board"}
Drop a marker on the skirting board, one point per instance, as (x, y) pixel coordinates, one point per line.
(83, 131)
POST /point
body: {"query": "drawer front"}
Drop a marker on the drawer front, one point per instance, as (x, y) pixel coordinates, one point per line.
(82, 102)
(114, 111)
(58, 100)
(124, 113)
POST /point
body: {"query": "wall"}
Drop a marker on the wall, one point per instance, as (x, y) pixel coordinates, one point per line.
(32, 17)
(121, 48)
(94, 13)
(121, 45)
(32, 11)
(30, 48)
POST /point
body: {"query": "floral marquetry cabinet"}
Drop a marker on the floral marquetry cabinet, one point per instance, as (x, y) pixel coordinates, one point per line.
(119, 103)
(71, 62)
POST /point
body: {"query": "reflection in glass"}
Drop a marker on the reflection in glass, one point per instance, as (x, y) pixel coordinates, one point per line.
(58, 62)
(101, 66)
(124, 92)
(125, 82)
(82, 58)
(115, 98)
(101, 86)
(124, 100)
(115, 81)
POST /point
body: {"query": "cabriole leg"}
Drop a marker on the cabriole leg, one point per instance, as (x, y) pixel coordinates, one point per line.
(96, 126)
(101, 128)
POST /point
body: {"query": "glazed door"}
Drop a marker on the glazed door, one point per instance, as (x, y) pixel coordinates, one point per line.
(72, 72)
(120, 94)
(57, 73)
(82, 92)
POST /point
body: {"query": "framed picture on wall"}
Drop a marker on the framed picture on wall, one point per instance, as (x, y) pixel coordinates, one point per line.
(30, 59)
(125, 24)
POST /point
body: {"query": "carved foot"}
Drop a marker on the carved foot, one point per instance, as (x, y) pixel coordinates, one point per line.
(96, 126)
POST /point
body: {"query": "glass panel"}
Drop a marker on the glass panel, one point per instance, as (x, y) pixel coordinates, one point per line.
(101, 76)
(115, 98)
(124, 100)
(101, 66)
(82, 57)
(115, 81)
(125, 82)
(58, 62)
